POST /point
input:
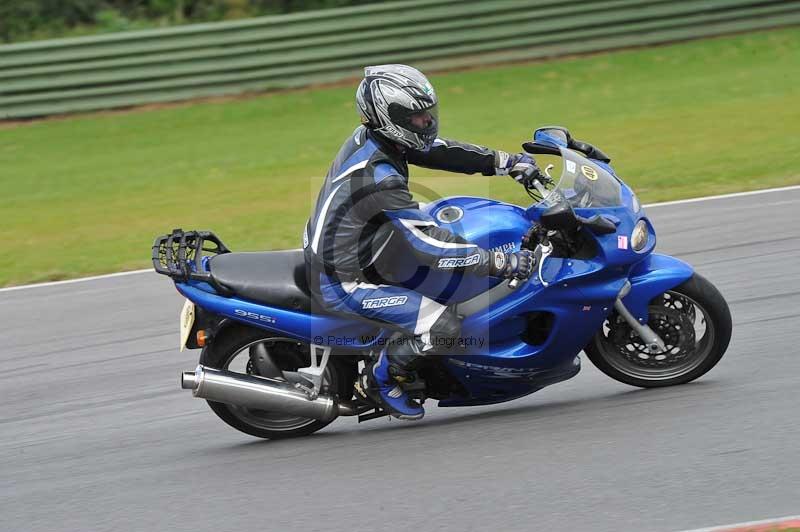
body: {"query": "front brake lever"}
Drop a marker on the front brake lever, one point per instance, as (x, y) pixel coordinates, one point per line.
(543, 250)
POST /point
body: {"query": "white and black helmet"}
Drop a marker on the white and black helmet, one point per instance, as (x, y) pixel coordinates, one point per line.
(399, 103)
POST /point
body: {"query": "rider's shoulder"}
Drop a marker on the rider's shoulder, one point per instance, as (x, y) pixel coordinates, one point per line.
(385, 174)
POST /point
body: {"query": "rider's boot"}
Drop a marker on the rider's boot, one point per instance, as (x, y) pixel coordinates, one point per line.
(391, 368)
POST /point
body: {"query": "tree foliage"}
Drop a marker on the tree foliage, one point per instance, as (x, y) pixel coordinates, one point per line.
(37, 19)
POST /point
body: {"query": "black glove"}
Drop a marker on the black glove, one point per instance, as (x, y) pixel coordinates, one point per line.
(525, 172)
(518, 265)
(512, 164)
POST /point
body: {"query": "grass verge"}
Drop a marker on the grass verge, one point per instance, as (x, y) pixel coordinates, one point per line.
(87, 195)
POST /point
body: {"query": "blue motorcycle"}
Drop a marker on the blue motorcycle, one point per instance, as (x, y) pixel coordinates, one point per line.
(274, 364)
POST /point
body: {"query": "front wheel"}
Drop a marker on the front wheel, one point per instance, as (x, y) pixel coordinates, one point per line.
(694, 322)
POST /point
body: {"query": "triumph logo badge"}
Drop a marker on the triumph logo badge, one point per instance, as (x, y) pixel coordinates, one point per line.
(505, 248)
(461, 262)
(382, 302)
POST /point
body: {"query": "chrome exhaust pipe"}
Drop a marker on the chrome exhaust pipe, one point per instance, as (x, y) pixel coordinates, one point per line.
(256, 392)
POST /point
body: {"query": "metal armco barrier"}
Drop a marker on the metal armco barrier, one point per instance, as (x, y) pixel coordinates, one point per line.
(134, 68)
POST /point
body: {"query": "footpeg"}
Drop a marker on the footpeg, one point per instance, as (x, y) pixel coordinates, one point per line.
(375, 414)
(361, 386)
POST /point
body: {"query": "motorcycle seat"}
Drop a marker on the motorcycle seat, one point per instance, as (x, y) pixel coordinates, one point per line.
(274, 278)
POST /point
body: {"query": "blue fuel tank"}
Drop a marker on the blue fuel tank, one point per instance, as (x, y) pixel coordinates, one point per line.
(492, 225)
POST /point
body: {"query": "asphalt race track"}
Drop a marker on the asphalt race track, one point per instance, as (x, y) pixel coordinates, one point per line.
(95, 434)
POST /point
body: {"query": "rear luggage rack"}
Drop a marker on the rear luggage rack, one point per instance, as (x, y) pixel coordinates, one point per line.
(179, 255)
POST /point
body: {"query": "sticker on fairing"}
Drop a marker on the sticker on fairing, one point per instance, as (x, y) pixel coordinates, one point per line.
(571, 167)
(622, 242)
(460, 262)
(589, 172)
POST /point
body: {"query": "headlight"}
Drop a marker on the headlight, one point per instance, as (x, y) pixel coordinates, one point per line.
(639, 236)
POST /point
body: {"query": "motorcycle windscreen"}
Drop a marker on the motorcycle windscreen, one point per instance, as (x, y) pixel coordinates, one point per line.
(583, 184)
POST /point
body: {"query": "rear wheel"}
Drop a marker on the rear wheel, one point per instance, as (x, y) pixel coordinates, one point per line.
(694, 322)
(231, 351)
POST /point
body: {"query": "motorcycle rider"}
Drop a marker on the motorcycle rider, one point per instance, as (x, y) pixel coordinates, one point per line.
(365, 215)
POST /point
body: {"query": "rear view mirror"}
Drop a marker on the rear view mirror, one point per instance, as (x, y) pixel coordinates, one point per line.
(560, 137)
(553, 136)
(559, 216)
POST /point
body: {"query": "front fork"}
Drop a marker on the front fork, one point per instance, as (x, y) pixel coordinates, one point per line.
(654, 342)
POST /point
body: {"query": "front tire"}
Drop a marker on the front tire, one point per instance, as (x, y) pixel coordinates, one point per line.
(230, 351)
(694, 321)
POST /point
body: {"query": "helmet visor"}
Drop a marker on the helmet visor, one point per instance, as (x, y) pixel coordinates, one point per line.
(421, 121)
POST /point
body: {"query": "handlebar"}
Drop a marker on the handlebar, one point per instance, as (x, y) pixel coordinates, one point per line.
(543, 250)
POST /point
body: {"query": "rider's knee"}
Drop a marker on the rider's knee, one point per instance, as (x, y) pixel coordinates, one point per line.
(448, 326)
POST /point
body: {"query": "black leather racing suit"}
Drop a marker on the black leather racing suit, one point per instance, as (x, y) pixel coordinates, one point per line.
(365, 214)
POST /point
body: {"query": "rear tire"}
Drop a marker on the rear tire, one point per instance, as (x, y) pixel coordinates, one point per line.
(231, 345)
(616, 349)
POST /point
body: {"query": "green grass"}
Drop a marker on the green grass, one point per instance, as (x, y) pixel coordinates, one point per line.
(88, 194)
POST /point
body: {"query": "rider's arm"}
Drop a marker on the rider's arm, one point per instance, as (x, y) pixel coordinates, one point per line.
(433, 246)
(461, 157)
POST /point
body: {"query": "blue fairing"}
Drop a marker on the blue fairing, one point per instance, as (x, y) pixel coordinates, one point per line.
(652, 277)
(319, 329)
(524, 340)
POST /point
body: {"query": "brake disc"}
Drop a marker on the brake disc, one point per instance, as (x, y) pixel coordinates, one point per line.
(674, 326)
(678, 302)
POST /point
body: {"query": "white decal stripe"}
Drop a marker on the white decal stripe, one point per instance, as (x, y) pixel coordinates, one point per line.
(417, 223)
(380, 250)
(411, 225)
(321, 218)
(352, 286)
(470, 148)
(349, 287)
(429, 312)
(357, 166)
